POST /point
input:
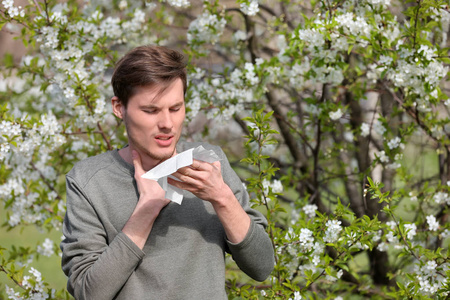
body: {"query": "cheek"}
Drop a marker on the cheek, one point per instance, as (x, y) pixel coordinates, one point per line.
(136, 124)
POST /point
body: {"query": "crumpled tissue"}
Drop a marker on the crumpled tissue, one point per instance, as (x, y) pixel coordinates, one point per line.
(170, 166)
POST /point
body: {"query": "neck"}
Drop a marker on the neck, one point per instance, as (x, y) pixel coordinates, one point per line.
(147, 162)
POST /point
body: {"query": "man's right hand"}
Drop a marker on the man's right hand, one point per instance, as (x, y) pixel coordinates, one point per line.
(151, 201)
(149, 190)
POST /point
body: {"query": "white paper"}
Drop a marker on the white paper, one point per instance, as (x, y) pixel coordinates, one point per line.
(170, 166)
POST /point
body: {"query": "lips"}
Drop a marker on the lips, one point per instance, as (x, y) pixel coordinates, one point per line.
(164, 140)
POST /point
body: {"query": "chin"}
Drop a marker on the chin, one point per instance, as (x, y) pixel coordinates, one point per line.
(162, 155)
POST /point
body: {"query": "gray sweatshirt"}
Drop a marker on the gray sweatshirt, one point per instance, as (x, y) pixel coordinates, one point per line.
(184, 257)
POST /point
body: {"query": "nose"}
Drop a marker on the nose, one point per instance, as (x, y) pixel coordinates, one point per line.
(165, 120)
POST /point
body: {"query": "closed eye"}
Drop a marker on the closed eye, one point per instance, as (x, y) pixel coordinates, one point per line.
(176, 108)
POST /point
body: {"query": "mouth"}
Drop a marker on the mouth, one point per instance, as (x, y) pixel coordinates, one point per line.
(164, 140)
(164, 137)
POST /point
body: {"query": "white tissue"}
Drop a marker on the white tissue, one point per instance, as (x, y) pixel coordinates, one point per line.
(170, 166)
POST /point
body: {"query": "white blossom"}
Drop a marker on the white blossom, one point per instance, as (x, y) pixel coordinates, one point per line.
(276, 186)
(297, 295)
(12, 10)
(179, 3)
(394, 143)
(351, 25)
(310, 210)
(365, 129)
(306, 240)
(379, 128)
(251, 8)
(335, 115)
(240, 35)
(46, 248)
(332, 231)
(441, 197)
(206, 28)
(312, 36)
(250, 74)
(433, 224)
(411, 230)
(123, 4)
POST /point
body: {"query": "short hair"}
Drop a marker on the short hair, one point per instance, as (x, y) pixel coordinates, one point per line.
(147, 66)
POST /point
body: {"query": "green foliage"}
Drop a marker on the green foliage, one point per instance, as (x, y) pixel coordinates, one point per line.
(329, 95)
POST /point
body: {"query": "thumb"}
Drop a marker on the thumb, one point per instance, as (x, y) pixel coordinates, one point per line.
(137, 163)
(217, 164)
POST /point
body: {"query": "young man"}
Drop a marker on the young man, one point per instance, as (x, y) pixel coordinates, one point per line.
(123, 238)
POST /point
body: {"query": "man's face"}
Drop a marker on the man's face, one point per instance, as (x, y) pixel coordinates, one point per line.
(154, 121)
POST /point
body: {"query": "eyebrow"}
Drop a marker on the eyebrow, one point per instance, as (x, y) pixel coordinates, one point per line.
(148, 106)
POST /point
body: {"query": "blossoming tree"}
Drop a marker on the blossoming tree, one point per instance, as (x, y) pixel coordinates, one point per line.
(342, 104)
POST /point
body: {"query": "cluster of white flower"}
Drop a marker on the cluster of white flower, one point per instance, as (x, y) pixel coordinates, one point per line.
(429, 277)
(332, 232)
(313, 37)
(47, 248)
(335, 115)
(391, 238)
(27, 206)
(328, 74)
(433, 224)
(395, 142)
(229, 97)
(356, 26)
(411, 231)
(365, 129)
(297, 296)
(383, 157)
(33, 285)
(392, 32)
(179, 3)
(207, 28)
(340, 43)
(418, 76)
(12, 10)
(379, 2)
(441, 15)
(239, 36)
(250, 8)
(379, 128)
(25, 209)
(396, 163)
(441, 197)
(306, 240)
(310, 210)
(335, 278)
(275, 186)
(250, 75)
(136, 23)
(353, 242)
(297, 72)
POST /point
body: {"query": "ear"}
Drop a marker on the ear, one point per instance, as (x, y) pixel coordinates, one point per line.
(117, 107)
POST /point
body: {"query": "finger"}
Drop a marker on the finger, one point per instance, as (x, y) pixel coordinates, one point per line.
(180, 184)
(137, 163)
(217, 164)
(188, 171)
(183, 177)
(196, 164)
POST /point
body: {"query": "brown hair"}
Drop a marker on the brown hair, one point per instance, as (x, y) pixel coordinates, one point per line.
(147, 66)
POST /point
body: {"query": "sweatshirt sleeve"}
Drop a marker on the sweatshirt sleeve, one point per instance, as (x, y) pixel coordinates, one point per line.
(95, 269)
(255, 254)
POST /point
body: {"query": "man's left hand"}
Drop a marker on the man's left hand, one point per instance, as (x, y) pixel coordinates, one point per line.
(202, 179)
